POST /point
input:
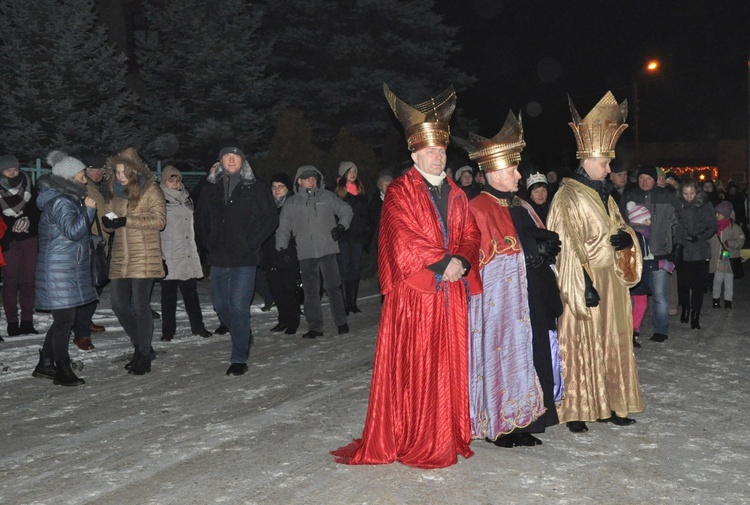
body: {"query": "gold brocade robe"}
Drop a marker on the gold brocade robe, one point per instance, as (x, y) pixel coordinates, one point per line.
(596, 344)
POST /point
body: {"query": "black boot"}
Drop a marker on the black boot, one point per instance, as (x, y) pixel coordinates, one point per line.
(716, 304)
(636, 339)
(129, 364)
(345, 294)
(695, 320)
(65, 376)
(684, 317)
(13, 329)
(727, 304)
(45, 369)
(141, 364)
(27, 328)
(353, 291)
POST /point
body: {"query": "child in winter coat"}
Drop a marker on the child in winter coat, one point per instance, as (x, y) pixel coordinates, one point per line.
(725, 245)
(640, 220)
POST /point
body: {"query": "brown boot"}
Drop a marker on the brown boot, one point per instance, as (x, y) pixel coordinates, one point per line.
(84, 343)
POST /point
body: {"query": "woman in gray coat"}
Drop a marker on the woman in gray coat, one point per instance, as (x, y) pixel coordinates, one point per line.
(63, 275)
(698, 224)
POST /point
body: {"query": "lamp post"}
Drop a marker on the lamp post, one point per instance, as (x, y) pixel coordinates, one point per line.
(651, 67)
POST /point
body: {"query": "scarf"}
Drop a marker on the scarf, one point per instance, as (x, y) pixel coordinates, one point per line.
(14, 194)
(603, 188)
(435, 180)
(723, 225)
(352, 188)
(177, 196)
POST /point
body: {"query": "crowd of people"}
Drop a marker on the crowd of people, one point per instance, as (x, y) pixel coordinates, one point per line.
(509, 303)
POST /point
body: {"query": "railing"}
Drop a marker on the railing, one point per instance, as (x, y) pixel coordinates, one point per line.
(189, 179)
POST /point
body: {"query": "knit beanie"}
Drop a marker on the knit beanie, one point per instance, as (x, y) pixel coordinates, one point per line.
(169, 171)
(232, 150)
(8, 161)
(725, 208)
(283, 179)
(465, 168)
(637, 214)
(345, 166)
(649, 170)
(63, 165)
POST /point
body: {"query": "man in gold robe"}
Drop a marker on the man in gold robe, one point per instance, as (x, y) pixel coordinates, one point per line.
(600, 260)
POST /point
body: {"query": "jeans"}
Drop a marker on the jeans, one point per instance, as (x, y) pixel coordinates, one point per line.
(350, 260)
(660, 293)
(131, 303)
(311, 270)
(232, 292)
(82, 325)
(189, 290)
(58, 336)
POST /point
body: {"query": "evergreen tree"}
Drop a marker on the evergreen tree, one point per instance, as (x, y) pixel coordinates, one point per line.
(291, 147)
(63, 84)
(333, 56)
(205, 78)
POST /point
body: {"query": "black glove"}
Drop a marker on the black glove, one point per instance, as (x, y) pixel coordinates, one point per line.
(337, 232)
(284, 258)
(676, 254)
(622, 240)
(115, 223)
(592, 296)
(533, 262)
(691, 238)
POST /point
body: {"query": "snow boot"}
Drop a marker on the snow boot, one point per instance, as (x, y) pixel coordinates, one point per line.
(141, 364)
(685, 316)
(27, 328)
(695, 320)
(45, 369)
(65, 376)
(716, 304)
(13, 329)
(353, 291)
(727, 304)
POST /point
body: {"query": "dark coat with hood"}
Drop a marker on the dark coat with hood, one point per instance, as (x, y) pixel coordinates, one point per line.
(63, 275)
(698, 224)
(231, 230)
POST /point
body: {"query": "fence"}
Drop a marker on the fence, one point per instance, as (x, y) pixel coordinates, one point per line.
(189, 179)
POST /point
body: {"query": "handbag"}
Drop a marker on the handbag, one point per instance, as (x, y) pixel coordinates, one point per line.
(737, 269)
(98, 258)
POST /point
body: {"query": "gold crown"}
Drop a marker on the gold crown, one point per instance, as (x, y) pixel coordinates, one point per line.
(426, 124)
(597, 134)
(501, 151)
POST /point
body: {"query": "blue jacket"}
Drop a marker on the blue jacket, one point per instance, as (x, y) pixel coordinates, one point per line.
(63, 275)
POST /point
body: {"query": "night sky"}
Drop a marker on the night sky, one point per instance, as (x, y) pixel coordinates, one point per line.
(529, 55)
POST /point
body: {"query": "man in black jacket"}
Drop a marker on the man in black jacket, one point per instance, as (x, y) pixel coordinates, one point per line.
(235, 215)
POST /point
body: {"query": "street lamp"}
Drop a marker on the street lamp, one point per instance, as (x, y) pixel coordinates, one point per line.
(652, 66)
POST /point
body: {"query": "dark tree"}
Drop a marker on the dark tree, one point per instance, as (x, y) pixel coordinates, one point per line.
(63, 84)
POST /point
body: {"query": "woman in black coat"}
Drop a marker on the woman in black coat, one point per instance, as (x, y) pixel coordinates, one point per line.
(282, 268)
(351, 246)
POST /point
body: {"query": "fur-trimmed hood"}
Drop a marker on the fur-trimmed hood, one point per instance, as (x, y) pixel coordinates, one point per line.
(246, 172)
(51, 185)
(130, 158)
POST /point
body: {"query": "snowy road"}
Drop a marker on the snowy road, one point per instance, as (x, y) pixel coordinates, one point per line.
(188, 434)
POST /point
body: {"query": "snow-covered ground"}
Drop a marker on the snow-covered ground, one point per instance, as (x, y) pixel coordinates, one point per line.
(186, 433)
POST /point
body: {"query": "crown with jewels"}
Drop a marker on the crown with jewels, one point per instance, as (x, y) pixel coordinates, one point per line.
(425, 124)
(597, 133)
(536, 178)
(501, 151)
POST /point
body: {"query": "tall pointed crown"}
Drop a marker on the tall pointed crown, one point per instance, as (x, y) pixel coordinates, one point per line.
(597, 134)
(425, 124)
(501, 151)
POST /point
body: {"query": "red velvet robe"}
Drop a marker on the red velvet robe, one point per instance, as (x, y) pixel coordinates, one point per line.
(419, 407)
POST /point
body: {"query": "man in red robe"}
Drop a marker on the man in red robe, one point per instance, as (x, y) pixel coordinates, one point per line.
(427, 258)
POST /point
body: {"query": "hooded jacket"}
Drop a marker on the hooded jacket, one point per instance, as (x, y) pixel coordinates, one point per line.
(231, 232)
(63, 274)
(697, 219)
(662, 203)
(309, 216)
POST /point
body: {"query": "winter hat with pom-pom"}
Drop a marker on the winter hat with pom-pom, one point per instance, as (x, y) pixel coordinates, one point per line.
(63, 165)
(637, 214)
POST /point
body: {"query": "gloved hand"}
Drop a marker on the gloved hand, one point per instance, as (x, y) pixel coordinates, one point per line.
(284, 258)
(337, 231)
(676, 254)
(667, 266)
(622, 240)
(549, 248)
(115, 223)
(533, 262)
(591, 295)
(691, 238)
(21, 225)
